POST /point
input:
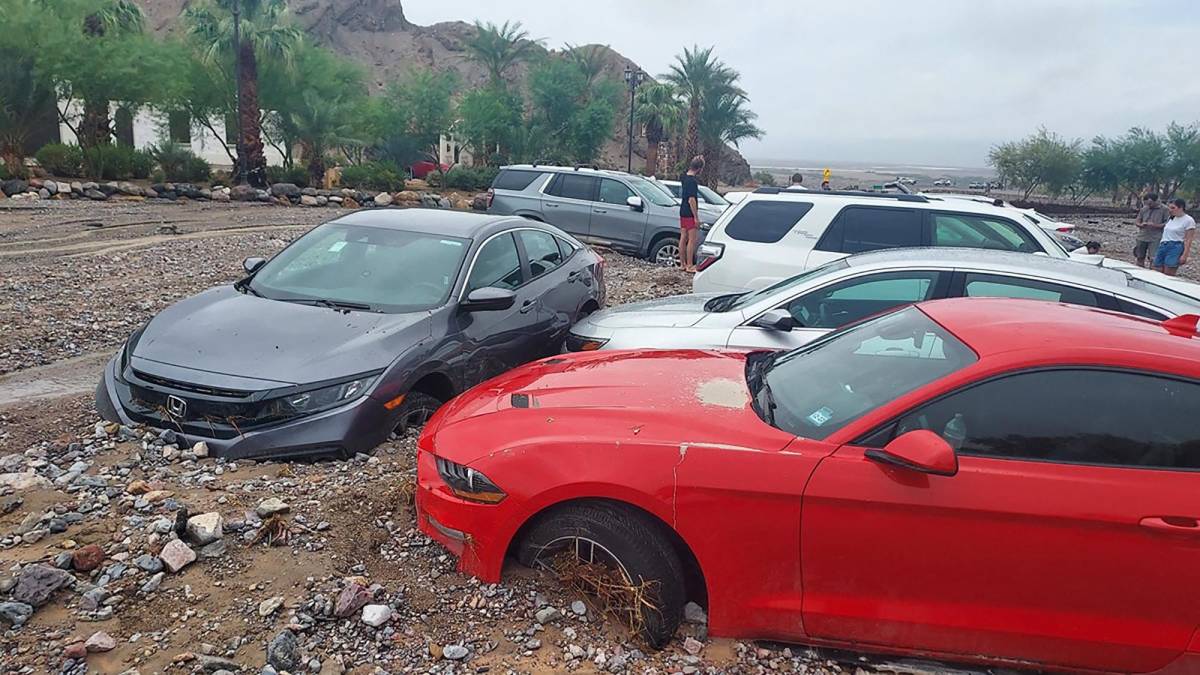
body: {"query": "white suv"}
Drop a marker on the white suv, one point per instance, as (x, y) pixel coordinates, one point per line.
(777, 233)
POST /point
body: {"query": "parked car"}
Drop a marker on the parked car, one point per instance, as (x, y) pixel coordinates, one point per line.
(995, 481)
(619, 210)
(1064, 232)
(944, 182)
(977, 186)
(774, 234)
(362, 326)
(802, 308)
(709, 199)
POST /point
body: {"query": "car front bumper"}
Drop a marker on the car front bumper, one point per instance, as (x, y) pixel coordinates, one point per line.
(356, 427)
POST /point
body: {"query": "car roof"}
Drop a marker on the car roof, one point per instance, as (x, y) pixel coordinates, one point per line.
(439, 221)
(889, 199)
(947, 256)
(992, 326)
(573, 169)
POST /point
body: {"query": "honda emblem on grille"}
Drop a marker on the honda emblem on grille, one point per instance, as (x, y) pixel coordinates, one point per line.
(176, 406)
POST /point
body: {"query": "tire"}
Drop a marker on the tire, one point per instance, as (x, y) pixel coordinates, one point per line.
(623, 539)
(414, 411)
(665, 252)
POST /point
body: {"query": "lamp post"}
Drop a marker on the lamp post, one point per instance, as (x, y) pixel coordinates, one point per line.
(237, 89)
(633, 78)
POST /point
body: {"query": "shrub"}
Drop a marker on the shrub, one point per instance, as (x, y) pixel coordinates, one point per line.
(383, 176)
(764, 178)
(296, 175)
(470, 178)
(60, 159)
(178, 164)
(116, 162)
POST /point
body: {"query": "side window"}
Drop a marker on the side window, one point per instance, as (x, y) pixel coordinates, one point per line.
(566, 248)
(497, 264)
(512, 179)
(1073, 416)
(614, 192)
(1138, 310)
(766, 222)
(997, 286)
(959, 230)
(541, 250)
(855, 299)
(573, 186)
(860, 228)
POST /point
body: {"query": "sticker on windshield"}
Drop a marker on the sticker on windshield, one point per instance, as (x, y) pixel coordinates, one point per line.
(821, 416)
(337, 246)
(449, 242)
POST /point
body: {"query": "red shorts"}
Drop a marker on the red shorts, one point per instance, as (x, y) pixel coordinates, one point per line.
(687, 223)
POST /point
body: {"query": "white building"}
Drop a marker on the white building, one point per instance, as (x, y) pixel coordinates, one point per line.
(452, 151)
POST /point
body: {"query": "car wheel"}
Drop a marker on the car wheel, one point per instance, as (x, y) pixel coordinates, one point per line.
(665, 252)
(414, 411)
(631, 546)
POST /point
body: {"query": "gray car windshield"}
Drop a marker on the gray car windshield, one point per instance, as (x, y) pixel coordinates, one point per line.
(712, 197)
(651, 191)
(754, 297)
(364, 268)
(821, 387)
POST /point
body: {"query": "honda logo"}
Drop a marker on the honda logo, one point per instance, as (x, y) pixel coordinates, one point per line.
(176, 406)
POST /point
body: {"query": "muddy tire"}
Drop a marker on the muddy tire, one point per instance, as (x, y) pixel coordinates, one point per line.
(665, 252)
(622, 539)
(416, 409)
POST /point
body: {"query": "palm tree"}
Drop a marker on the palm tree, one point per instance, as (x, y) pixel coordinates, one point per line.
(113, 18)
(319, 123)
(24, 96)
(725, 120)
(265, 32)
(660, 112)
(590, 59)
(699, 75)
(498, 48)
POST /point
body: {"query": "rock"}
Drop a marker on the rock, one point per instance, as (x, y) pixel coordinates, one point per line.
(376, 615)
(92, 600)
(14, 186)
(220, 196)
(267, 607)
(75, 650)
(480, 202)
(11, 463)
(213, 550)
(95, 195)
(309, 192)
(271, 506)
(24, 480)
(416, 184)
(9, 504)
(63, 560)
(240, 193)
(137, 487)
(579, 608)
(148, 563)
(156, 496)
(200, 449)
(283, 653)
(307, 200)
(407, 196)
(89, 185)
(100, 642)
(285, 190)
(37, 583)
(692, 646)
(350, 600)
(87, 558)
(29, 523)
(322, 200)
(454, 652)
(50, 186)
(350, 203)
(177, 555)
(547, 615)
(33, 537)
(383, 199)
(430, 201)
(693, 613)
(205, 528)
(153, 583)
(15, 613)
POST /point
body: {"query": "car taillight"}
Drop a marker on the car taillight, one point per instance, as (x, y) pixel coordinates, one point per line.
(709, 254)
(1066, 229)
(491, 194)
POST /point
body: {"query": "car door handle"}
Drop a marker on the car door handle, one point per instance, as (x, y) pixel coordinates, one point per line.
(1171, 524)
(574, 276)
(599, 211)
(527, 306)
(552, 206)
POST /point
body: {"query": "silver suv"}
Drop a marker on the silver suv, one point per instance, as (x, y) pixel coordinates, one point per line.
(619, 210)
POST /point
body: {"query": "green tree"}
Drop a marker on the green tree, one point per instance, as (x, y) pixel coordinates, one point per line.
(26, 88)
(724, 120)
(265, 32)
(1143, 160)
(111, 22)
(699, 75)
(1042, 160)
(1099, 170)
(661, 114)
(490, 120)
(590, 59)
(571, 115)
(499, 48)
(1183, 166)
(420, 110)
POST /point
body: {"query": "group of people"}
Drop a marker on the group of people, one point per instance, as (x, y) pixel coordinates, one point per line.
(1165, 234)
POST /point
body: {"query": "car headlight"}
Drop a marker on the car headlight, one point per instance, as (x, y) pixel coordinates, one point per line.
(127, 350)
(316, 400)
(580, 343)
(469, 484)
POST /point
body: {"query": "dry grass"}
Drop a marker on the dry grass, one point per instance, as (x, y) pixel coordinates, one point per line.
(608, 587)
(275, 531)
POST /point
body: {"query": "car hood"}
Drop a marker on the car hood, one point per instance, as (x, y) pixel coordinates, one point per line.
(676, 398)
(225, 332)
(674, 311)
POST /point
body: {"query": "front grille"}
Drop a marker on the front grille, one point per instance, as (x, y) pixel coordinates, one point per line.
(208, 411)
(188, 386)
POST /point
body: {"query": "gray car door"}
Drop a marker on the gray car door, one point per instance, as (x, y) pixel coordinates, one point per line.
(497, 341)
(614, 222)
(567, 202)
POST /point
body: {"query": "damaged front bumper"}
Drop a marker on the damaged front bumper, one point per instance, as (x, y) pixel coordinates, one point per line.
(355, 427)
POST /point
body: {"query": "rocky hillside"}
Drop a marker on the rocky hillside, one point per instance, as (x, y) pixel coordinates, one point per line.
(377, 34)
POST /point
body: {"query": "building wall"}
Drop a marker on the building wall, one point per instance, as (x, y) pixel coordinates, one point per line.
(452, 151)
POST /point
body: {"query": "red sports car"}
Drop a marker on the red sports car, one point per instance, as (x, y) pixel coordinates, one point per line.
(1000, 481)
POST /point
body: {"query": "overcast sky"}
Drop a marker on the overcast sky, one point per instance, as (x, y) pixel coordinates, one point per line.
(919, 81)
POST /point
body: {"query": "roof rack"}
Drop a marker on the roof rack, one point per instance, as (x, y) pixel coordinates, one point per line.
(900, 197)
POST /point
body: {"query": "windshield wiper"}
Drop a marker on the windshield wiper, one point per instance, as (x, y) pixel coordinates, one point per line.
(722, 303)
(245, 287)
(331, 304)
(756, 377)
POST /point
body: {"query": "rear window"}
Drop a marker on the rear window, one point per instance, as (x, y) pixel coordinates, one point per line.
(573, 186)
(868, 228)
(766, 221)
(511, 179)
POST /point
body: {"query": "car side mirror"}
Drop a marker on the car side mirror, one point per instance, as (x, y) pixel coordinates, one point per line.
(921, 450)
(488, 299)
(634, 203)
(251, 265)
(776, 319)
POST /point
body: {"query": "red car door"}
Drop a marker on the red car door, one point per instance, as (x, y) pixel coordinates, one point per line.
(1070, 534)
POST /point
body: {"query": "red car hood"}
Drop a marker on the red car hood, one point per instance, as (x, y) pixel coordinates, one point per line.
(633, 398)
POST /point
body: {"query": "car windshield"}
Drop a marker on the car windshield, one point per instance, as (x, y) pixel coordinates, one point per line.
(727, 303)
(676, 190)
(712, 197)
(821, 387)
(364, 268)
(651, 191)
(1161, 291)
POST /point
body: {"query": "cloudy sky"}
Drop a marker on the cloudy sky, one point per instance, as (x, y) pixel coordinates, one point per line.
(918, 81)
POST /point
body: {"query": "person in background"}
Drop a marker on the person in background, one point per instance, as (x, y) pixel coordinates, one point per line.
(797, 182)
(825, 186)
(1150, 221)
(689, 210)
(1176, 244)
(1093, 247)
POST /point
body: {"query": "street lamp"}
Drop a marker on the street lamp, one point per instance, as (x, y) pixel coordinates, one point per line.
(237, 88)
(633, 78)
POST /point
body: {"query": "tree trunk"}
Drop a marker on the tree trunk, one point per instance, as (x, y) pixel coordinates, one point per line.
(691, 143)
(653, 139)
(252, 145)
(94, 128)
(712, 166)
(316, 165)
(14, 158)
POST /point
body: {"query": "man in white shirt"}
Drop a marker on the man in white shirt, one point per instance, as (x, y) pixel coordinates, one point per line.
(797, 182)
(1177, 235)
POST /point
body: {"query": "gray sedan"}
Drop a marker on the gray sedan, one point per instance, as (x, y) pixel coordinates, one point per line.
(804, 307)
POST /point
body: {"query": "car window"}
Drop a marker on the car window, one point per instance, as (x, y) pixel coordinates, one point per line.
(952, 229)
(512, 179)
(856, 299)
(859, 228)
(676, 190)
(573, 186)
(565, 248)
(1081, 416)
(1138, 310)
(710, 196)
(652, 191)
(614, 192)
(541, 251)
(497, 264)
(999, 286)
(766, 221)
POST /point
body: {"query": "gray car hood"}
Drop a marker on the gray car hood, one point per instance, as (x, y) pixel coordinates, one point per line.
(674, 311)
(223, 331)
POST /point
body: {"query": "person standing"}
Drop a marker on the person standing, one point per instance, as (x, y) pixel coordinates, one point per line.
(689, 211)
(1176, 244)
(1150, 220)
(797, 182)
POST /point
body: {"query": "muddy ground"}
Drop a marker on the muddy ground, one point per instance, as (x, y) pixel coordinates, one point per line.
(75, 279)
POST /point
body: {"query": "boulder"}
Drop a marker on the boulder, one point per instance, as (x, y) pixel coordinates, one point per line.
(220, 195)
(241, 193)
(416, 184)
(95, 195)
(308, 200)
(480, 202)
(311, 192)
(24, 480)
(430, 201)
(177, 555)
(14, 186)
(285, 190)
(37, 583)
(100, 642)
(383, 199)
(15, 613)
(50, 187)
(87, 558)
(271, 506)
(322, 200)
(283, 653)
(205, 528)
